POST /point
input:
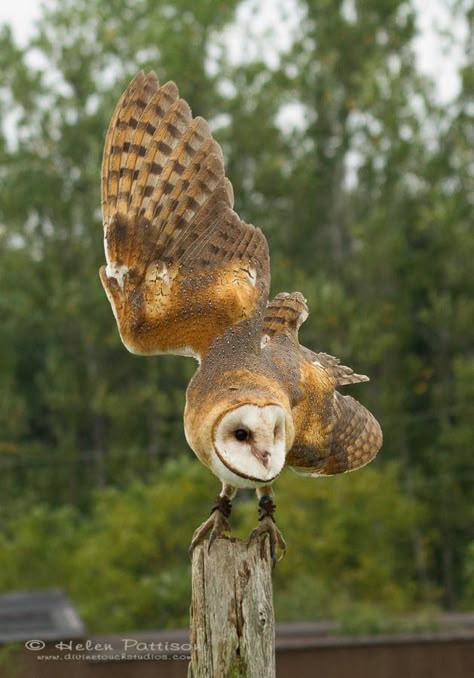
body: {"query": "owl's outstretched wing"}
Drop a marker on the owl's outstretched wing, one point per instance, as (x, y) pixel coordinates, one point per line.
(181, 266)
(334, 433)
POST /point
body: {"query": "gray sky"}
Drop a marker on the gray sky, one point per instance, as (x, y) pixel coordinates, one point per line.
(434, 57)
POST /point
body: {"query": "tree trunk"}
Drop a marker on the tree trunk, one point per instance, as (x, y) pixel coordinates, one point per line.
(232, 623)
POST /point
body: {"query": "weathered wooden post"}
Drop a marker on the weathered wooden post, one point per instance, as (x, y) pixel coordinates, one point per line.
(232, 622)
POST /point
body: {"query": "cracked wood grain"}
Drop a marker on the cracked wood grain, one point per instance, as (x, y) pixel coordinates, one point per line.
(232, 621)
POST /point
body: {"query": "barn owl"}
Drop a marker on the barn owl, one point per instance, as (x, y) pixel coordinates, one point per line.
(185, 275)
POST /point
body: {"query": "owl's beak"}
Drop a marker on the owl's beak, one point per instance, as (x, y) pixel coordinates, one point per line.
(262, 457)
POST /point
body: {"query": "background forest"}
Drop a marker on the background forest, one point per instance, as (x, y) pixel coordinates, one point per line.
(338, 148)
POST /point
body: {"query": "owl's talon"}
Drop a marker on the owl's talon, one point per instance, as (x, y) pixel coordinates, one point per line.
(266, 509)
(221, 525)
(217, 524)
(267, 526)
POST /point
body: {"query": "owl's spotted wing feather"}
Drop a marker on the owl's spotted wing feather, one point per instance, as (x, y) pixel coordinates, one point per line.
(181, 266)
(334, 433)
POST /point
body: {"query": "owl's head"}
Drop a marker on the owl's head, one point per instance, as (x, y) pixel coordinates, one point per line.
(250, 444)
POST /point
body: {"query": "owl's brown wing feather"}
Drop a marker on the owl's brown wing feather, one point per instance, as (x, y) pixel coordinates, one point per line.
(339, 438)
(333, 433)
(181, 266)
(356, 437)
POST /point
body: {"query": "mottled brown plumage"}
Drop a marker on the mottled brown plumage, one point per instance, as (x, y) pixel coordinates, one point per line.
(185, 275)
(334, 433)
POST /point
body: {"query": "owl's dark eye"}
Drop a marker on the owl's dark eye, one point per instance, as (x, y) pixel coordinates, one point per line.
(241, 434)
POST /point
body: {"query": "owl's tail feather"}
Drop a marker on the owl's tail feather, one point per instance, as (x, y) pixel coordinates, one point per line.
(285, 314)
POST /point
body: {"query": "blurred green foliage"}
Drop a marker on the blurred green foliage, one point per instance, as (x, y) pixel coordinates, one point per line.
(365, 204)
(127, 566)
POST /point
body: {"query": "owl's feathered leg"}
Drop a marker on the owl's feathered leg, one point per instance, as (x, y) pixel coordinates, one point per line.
(217, 522)
(266, 509)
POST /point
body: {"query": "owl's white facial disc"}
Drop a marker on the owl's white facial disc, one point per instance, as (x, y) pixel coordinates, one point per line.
(249, 445)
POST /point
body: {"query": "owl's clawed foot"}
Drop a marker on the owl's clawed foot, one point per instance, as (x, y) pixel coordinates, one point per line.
(217, 524)
(266, 509)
